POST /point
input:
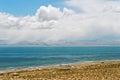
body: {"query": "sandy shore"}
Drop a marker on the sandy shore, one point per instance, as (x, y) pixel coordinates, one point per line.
(105, 70)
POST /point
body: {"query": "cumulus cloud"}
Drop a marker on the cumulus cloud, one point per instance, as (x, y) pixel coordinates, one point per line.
(96, 21)
(48, 13)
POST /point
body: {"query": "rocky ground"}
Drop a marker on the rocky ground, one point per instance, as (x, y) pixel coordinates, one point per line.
(108, 70)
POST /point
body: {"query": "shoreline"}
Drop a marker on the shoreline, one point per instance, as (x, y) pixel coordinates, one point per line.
(95, 70)
(54, 65)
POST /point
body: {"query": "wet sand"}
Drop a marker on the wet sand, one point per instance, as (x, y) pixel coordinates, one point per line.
(104, 70)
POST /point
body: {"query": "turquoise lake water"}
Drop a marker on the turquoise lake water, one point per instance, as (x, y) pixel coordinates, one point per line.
(19, 57)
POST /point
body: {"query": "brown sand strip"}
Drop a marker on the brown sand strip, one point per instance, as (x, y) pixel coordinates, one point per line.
(107, 70)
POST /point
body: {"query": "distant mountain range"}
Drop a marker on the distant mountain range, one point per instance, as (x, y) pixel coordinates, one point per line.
(65, 43)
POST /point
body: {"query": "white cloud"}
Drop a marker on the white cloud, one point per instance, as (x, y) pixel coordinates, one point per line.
(48, 13)
(50, 25)
(95, 6)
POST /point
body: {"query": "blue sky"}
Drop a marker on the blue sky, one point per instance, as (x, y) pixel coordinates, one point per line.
(26, 7)
(99, 21)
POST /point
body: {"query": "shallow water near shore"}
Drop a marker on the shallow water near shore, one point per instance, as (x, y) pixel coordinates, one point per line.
(22, 57)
